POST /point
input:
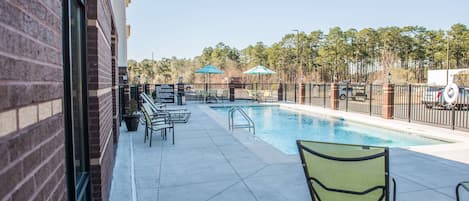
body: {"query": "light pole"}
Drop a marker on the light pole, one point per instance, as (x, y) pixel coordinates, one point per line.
(447, 57)
(298, 51)
(300, 80)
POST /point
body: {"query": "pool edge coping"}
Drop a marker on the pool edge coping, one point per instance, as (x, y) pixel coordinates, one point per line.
(458, 141)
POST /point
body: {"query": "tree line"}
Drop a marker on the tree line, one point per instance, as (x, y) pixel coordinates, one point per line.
(363, 56)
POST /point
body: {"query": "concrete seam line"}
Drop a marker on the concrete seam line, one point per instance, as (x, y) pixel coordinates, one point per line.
(132, 169)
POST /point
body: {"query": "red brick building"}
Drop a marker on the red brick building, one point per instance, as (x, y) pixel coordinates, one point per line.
(58, 99)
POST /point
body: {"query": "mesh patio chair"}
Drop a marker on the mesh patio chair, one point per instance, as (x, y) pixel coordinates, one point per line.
(464, 185)
(160, 106)
(340, 172)
(156, 122)
(176, 114)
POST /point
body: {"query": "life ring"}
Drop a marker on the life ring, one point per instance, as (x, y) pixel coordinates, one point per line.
(451, 93)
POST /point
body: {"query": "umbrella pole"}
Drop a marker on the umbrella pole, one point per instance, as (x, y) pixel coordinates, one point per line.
(206, 87)
(258, 79)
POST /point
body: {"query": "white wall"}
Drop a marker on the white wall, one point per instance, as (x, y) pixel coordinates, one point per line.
(118, 7)
(438, 77)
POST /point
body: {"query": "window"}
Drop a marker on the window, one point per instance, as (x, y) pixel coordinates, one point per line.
(75, 112)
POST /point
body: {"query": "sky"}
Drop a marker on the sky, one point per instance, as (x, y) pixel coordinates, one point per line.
(182, 28)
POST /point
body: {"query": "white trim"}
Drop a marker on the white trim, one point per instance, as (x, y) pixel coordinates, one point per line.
(98, 161)
(99, 92)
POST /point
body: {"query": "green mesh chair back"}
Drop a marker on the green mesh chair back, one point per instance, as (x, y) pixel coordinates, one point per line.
(340, 172)
(464, 185)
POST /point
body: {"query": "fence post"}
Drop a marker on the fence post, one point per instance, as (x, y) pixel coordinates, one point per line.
(295, 88)
(453, 118)
(285, 89)
(371, 99)
(409, 99)
(147, 89)
(346, 96)
(334, 96)
(324, 94)
(388, 101)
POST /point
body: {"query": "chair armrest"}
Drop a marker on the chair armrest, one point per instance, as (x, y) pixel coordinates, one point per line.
(393, 189)
(465, 185)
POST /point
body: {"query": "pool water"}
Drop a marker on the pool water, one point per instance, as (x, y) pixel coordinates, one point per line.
(281, 128)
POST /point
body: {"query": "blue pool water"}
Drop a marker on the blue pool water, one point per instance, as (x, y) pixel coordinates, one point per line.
(281, 128)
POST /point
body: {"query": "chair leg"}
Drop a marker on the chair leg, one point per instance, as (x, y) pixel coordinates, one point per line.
(145, 135)
(173, 134)
(457, 191)
(151, 136)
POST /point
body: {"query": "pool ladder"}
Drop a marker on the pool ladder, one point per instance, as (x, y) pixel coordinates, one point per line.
(231, 124)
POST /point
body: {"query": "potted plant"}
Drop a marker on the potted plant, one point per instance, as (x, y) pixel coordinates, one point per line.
(131, 118)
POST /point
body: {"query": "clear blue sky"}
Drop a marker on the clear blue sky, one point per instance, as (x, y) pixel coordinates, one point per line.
(182, 28)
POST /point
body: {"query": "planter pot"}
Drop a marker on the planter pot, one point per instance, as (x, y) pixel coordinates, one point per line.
(131, 122)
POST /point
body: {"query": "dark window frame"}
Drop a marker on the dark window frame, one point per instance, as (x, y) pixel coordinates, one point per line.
(77, 189)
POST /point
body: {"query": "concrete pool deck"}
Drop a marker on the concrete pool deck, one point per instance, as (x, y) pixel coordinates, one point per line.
(208, 162)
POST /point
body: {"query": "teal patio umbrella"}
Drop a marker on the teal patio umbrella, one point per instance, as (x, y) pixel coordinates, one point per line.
(259, 70)
(209, 69)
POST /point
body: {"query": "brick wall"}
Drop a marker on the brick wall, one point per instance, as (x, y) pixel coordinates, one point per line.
(100, 101)
(32, 159)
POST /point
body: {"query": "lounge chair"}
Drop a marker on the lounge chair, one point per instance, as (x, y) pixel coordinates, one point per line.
(224, 95)
(267, 96)
(464, 185)
(252, 94)
(212, 96)
(177, 115)
(156, 122)
(160, 106)
(339, 172)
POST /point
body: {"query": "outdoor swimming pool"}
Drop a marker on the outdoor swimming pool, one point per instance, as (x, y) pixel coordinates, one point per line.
(281, 128)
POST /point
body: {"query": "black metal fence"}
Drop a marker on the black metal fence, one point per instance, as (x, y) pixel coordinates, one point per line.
(426, 104)
(412, 103)
(134, 92)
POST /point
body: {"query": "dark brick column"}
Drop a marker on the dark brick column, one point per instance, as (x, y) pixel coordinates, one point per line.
(334, 96)
(280, 92)
(232, 92)
(139, 91)
(388, 101)
(100, 99)
(301, 93)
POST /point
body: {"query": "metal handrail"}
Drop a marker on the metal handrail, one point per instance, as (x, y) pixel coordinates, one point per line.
(232, 125)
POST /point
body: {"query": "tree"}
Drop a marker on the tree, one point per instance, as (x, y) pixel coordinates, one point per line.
(364, 56)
